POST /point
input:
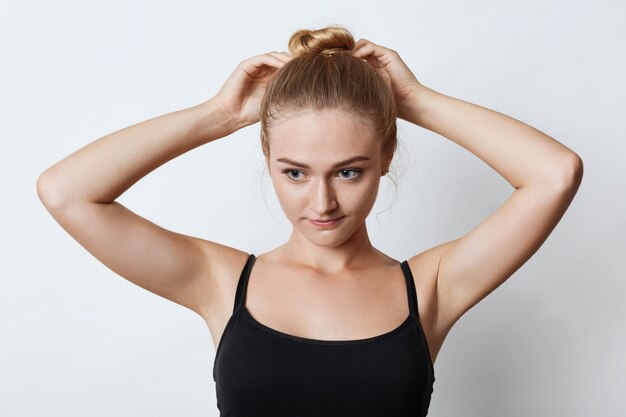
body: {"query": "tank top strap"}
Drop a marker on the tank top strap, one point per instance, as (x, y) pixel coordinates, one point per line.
(411, 292)
(242, 285)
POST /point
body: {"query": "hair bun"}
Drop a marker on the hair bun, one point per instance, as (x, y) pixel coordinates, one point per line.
(326, 41)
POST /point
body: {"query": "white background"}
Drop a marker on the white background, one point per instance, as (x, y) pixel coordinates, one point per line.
(78, 340)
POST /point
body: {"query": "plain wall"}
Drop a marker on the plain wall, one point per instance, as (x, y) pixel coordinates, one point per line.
(76, 339)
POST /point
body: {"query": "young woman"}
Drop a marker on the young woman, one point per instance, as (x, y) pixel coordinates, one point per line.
(325, 324)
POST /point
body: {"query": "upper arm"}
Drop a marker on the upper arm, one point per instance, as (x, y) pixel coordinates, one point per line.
(474, 265)
(178, 267)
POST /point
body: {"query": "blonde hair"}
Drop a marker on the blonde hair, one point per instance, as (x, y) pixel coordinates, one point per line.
(323, 74)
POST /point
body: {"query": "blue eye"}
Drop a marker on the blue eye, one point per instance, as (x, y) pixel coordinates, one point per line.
(288, 171)
(351, 170)
(291, 170)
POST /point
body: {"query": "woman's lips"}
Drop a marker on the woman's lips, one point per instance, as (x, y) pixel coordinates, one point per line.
(329, 223)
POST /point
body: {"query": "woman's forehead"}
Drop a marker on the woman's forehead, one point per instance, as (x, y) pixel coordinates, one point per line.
(334, 130)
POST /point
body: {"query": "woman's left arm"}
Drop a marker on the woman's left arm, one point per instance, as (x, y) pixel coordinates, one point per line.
(544, 173)
(523, 155)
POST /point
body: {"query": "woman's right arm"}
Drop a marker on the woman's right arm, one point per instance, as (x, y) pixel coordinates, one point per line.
(80, 192)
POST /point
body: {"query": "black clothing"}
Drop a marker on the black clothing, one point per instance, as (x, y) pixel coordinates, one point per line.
(260, 371)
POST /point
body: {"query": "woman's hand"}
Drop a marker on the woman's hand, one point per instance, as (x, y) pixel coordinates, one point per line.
(240, 96)
(392, 68)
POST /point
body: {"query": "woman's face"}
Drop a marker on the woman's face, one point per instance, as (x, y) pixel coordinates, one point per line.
(325, 165)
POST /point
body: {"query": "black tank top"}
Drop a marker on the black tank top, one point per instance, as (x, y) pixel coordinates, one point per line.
(260, 371)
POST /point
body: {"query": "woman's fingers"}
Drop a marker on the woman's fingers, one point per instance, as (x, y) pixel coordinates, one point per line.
(267, 59)
(376, 55)
(359, 44)
(283, 56)
(363, 48)
(259, 64)
(369, 49)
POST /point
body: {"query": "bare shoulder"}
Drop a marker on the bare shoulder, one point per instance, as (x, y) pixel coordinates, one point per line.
(222, 266)
(424, 268)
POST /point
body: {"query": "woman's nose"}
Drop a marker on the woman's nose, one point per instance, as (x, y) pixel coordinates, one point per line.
(323, 199)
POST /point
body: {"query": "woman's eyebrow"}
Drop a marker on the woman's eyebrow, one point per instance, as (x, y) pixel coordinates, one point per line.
(338, 164)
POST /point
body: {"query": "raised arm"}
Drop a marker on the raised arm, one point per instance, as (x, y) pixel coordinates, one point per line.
(520, 153)
(80, 191)
(544, 174)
